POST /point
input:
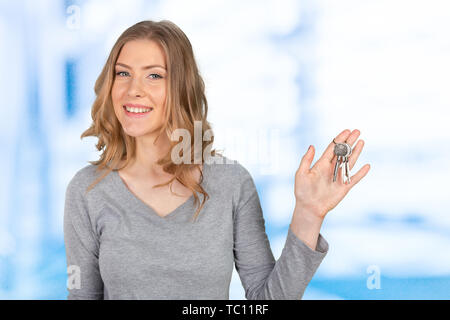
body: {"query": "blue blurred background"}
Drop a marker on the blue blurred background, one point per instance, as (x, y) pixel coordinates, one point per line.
(280, 75)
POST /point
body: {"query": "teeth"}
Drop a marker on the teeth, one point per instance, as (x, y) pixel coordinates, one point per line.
(138, 110)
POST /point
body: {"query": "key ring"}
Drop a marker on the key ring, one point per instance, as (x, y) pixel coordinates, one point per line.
(342, 159)
(337, 143)
(345, 142)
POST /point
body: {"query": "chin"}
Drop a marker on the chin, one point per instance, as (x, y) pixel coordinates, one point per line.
(138, 133)
(135, 133)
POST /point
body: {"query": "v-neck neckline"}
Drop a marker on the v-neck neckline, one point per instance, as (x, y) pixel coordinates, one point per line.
(124, 190)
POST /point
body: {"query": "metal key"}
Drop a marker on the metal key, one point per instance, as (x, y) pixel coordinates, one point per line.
(342, 151)
(346, 177)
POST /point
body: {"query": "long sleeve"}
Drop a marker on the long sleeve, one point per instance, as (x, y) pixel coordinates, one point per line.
(264, 278)
(82, 247)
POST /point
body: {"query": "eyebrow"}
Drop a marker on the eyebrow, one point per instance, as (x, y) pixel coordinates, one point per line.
(143, 68)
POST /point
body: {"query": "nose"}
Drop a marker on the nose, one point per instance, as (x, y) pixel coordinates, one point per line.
(135, 89)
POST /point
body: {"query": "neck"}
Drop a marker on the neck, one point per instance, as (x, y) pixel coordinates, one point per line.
(148, 152)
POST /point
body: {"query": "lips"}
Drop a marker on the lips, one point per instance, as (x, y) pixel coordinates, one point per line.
(135, 105)
(141, 111)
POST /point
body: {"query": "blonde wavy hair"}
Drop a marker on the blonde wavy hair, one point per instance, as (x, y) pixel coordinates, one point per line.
(185, 103)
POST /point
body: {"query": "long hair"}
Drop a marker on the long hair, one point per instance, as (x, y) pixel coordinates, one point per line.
(185, 104)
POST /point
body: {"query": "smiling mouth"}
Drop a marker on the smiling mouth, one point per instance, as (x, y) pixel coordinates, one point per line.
(137, 110)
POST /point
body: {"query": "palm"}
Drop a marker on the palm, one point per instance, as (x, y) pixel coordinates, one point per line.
(314, 187)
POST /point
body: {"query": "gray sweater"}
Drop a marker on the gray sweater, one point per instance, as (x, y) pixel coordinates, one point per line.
(117, 247)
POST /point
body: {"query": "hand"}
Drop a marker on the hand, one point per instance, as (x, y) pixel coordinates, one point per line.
(315, 190)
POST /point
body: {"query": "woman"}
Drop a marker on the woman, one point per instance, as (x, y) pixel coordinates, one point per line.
(129, 227)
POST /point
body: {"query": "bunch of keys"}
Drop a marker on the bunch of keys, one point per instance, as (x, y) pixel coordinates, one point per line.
(342, 151)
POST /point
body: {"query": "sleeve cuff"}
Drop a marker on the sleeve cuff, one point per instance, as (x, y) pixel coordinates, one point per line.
(321, 247)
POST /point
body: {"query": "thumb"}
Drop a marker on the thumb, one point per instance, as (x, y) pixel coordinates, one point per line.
(305, 164)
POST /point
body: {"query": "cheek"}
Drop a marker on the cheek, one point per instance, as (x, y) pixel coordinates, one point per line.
(161, 100)
(158, 93)
(116, 95)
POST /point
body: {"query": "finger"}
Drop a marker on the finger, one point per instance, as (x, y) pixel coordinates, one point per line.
(353, 137)
(328, 154)
(305, 164)
(355, 154)
(359, 175)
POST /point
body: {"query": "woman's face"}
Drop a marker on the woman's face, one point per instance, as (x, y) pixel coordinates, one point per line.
(140, 80)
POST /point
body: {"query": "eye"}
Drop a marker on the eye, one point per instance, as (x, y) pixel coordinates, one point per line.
(155, 74)
(125, 73)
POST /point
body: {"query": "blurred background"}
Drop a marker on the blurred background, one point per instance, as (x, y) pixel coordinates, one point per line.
(280, 75)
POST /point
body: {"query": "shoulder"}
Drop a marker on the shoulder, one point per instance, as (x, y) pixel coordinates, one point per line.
(232, 179)
(83, 178)
(229, 169)
(229, 176)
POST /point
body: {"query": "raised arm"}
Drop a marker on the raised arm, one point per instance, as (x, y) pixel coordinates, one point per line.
(264, 278)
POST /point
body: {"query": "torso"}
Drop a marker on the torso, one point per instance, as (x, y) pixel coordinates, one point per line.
(160, 199)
